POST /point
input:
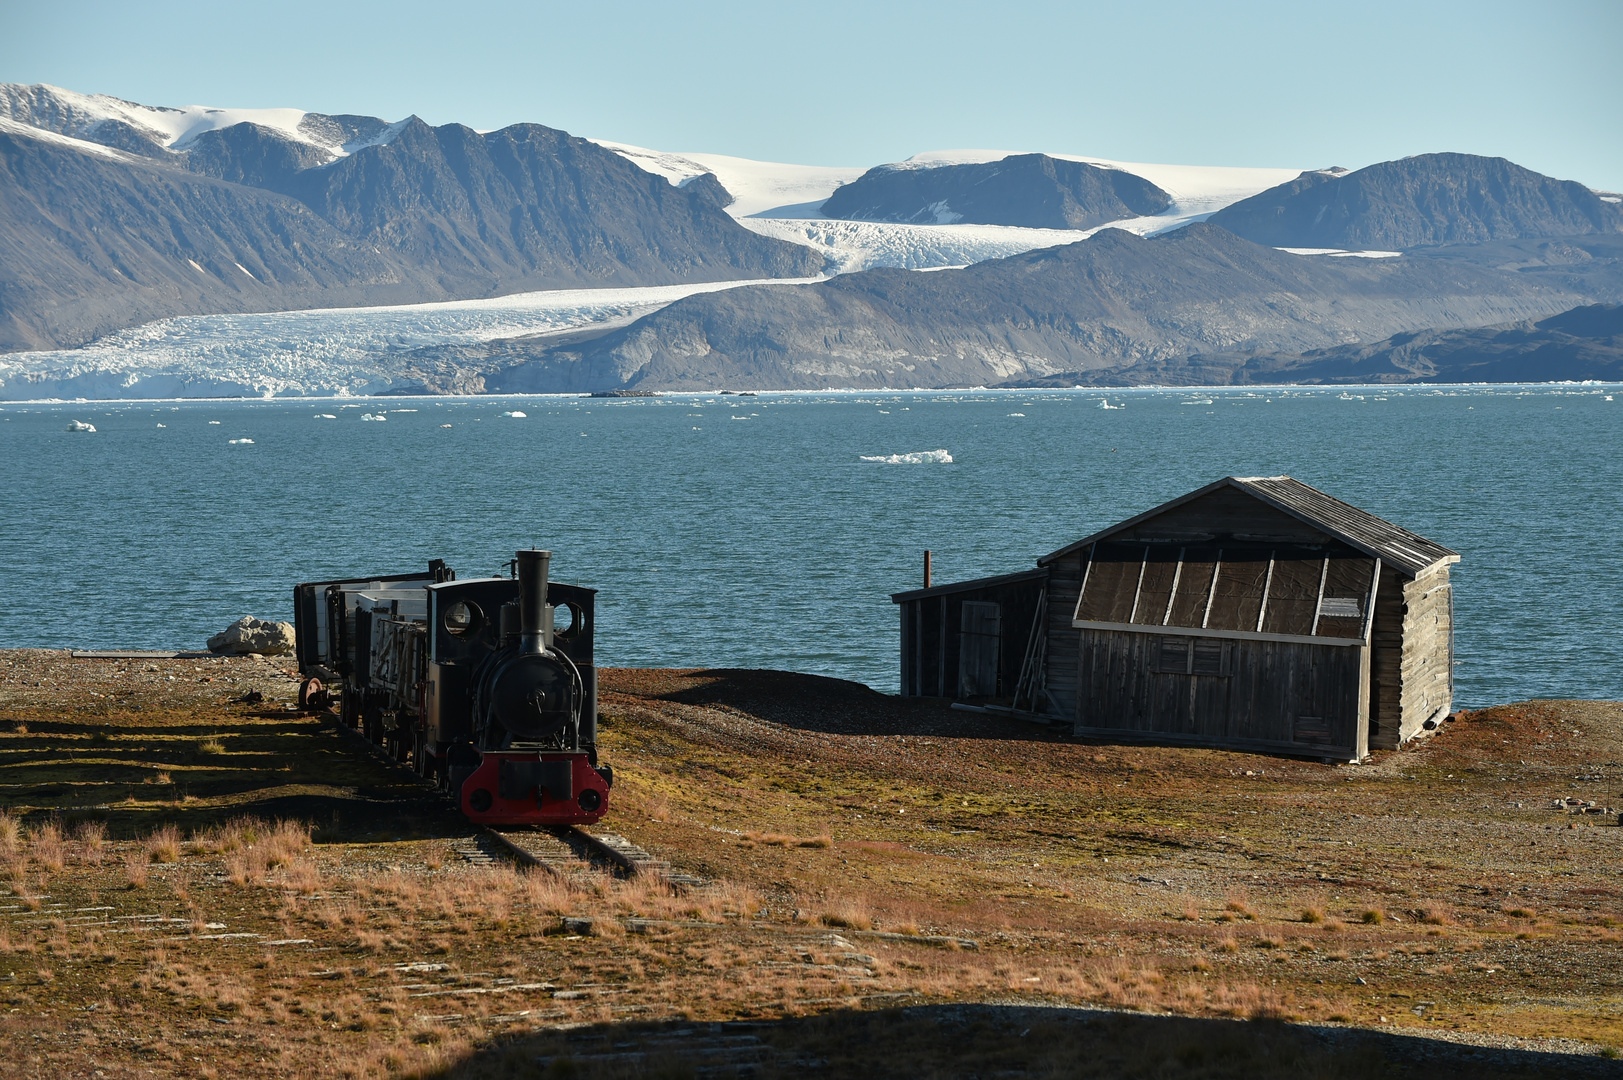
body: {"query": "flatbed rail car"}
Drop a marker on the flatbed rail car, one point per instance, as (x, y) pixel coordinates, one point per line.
(485, 686)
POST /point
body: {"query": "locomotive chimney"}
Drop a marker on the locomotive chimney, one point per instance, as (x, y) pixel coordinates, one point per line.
(534, 616)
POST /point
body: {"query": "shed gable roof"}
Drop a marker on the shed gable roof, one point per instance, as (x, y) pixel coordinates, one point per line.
(1394, 545)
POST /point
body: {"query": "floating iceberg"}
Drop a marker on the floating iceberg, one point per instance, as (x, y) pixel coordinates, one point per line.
(242, 442)
(371, 416)
(80, 425)
(920, 457)
(515, 414)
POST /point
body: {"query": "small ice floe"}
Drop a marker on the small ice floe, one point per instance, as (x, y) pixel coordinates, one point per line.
(163, 425)
(738, 418)
(1104, 403)
(405, 410)
(214, 423)
(80, 425)
(373, 416)
(445, 425)
(516, 415)
(1197, 401)
(325, 416)
(242, 442)
(1016, 414)
(918, 457)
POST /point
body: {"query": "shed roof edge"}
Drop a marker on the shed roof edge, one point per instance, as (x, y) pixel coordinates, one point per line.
(966, 586)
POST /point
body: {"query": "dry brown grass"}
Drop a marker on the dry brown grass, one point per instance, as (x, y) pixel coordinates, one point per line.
(1240, 906)
(1437, 914)
(48, 848)
(1191, 910)
(1372, 916)
(657, 807)
(11, 833)
(1313, 913)
(91, 836)
(210, 747)
(852, 914)
(136, 861)
(163, 845)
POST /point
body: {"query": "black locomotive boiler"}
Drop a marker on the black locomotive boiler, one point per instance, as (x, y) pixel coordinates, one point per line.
(485, 686)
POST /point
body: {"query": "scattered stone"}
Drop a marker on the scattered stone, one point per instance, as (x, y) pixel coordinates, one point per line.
(251, 635)
(575, 925)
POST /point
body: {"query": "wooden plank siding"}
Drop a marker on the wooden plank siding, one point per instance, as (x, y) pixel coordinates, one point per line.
(932, 633)
(1064, 589)
(1428, 655)
(1386, 666)
(1285, 696)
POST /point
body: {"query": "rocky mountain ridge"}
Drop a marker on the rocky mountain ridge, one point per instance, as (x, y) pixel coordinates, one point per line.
(1032, 191)
(249, 218)
(1429, 199)
(1114, 309)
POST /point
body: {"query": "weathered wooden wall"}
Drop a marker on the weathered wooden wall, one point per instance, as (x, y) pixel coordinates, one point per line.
(1386, 662)
(1064, 589)
(931, 634)
(1428, 651)
(1412, 669)
(1291, 696)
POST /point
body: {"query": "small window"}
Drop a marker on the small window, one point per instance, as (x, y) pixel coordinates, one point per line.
(567, 620)
(1178, 655)
(1210, 657)
(1172, 656)
(463, 618)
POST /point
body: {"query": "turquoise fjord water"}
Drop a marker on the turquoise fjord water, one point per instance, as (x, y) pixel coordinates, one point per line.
(751, 532)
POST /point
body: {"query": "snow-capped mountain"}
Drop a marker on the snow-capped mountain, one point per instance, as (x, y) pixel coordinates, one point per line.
(115, 214)
(146, 129)
(163, 231)
(785, 201)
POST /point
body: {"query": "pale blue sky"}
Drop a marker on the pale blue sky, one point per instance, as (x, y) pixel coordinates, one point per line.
(856, 83)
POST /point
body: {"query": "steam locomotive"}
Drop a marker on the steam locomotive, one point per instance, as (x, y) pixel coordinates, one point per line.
(485, 686)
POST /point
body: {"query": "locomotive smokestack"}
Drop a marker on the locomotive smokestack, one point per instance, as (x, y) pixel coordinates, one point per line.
(534, 617)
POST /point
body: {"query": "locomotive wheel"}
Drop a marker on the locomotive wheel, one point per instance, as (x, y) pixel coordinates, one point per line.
(313, 696)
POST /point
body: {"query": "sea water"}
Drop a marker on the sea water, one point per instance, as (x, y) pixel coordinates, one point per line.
(769, 531)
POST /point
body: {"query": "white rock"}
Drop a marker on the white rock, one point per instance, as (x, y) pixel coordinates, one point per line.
(251, 635)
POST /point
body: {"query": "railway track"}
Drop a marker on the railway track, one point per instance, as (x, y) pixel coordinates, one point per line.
(565, 850)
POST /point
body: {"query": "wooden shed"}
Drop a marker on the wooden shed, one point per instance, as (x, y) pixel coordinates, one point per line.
(969, 639)
(1255, 613)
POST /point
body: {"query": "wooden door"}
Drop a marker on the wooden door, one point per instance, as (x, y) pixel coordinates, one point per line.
(980, 640)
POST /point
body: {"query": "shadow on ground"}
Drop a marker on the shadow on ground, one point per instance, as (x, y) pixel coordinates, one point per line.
(138, 774)
(842, 707)
(963, 1041)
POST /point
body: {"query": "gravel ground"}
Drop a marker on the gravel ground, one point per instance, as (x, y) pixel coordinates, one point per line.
(1433, 895)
